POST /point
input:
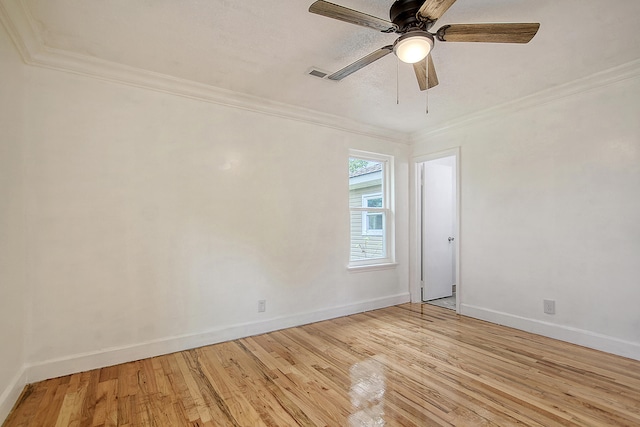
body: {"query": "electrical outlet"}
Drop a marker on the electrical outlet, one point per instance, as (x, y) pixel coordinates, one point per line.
(262, 306)
(549, 306)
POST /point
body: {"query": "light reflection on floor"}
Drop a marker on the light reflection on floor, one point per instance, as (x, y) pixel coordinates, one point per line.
(368, 386)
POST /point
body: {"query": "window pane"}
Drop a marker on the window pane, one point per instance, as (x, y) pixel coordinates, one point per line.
(356, 165)
(367, 244)
(365, 178)
(374, 221)
(374, 202)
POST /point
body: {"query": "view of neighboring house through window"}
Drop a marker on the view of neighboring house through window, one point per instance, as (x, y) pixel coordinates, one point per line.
(369, 207)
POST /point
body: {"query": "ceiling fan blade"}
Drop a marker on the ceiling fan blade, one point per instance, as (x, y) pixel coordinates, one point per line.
(361, 63)
(488, 33)
(351, 16)
(420, 69)
(432, 10)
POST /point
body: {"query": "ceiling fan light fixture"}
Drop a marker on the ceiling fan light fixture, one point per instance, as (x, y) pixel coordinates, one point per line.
(413, 46)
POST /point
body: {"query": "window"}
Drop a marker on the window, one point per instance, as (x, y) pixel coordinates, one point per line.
(370, 209)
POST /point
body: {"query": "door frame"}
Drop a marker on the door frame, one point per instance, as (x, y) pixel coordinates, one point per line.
(415, 249)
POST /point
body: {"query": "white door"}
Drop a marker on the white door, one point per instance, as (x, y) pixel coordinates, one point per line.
(438, 239)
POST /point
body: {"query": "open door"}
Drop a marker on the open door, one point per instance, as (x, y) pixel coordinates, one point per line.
(438, 227)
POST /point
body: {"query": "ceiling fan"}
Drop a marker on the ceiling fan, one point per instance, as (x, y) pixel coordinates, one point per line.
(413, 19)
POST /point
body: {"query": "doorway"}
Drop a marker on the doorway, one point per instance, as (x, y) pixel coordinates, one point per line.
(438, 222)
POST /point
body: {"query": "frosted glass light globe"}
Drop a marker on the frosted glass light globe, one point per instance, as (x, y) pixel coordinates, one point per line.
(412, 48)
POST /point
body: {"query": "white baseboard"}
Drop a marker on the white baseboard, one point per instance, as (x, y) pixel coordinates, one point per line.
(113, 356)
(10, 394)
(552, 330)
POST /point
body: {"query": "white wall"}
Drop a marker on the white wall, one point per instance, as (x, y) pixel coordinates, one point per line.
(157, 222)
(550, 209)
(13, 289)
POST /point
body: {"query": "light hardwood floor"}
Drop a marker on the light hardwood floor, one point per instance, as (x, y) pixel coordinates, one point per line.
(409, 365)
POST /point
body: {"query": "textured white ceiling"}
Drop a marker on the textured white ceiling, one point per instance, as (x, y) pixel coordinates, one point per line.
(265, 48)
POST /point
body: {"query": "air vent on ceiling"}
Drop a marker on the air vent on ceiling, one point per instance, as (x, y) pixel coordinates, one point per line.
(317, 73)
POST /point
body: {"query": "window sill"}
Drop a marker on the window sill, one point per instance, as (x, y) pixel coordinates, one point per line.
(371, 267)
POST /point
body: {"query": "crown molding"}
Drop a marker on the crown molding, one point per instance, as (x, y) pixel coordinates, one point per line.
(17, 23)
(23, 30)
(598, 80)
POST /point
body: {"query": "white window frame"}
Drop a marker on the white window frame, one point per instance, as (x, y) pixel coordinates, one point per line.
(387, 209)
(365, 223)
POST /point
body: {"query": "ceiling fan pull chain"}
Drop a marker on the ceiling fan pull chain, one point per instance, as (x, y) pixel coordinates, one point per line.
(397, 81)
(426, 84)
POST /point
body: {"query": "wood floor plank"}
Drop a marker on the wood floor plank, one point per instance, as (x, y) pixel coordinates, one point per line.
(407, 365)
(280, 395)
(28, 402)
(47, 401)
(72, 403)
(227, 386)
(105, 412)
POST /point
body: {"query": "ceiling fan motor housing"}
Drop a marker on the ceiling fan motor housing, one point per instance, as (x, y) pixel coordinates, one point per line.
(404, 13)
